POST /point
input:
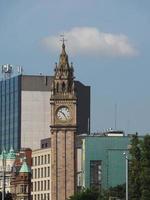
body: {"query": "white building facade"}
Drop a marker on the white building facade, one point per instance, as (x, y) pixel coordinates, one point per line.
(41, 179)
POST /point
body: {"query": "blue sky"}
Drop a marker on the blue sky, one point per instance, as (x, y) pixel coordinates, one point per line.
(108, 42)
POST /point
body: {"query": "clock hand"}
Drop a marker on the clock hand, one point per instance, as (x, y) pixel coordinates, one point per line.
(63, 114)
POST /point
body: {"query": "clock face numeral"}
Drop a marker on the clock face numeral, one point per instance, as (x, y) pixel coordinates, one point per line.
(63, 114)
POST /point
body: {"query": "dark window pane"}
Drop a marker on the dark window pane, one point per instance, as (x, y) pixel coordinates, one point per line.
(95, 173)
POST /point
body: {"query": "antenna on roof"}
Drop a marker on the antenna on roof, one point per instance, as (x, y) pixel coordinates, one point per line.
(115, 116)
(19, 69)
(7, 70)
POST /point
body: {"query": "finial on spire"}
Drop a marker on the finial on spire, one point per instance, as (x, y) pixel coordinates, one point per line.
(63, 40)
(63, 53)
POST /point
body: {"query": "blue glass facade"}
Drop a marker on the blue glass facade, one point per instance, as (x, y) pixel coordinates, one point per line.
(10, 113)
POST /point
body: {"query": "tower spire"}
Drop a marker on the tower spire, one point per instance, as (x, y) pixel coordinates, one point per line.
(64, 73)
(63, 60)
(63, 44)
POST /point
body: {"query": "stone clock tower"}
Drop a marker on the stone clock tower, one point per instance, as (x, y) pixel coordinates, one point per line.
(63, 130)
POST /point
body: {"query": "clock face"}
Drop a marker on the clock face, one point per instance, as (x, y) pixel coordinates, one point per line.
(63, 113)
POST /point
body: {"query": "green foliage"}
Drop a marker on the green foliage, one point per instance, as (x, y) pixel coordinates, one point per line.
(118, 191)
(93, 194)
(145, 169)
(86, 194)
(135, 169)
(139, 169)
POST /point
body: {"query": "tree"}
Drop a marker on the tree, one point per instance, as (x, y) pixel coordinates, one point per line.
(118, 191)
(145, 169)
(87, 194)
(135, 169)
(94, 194)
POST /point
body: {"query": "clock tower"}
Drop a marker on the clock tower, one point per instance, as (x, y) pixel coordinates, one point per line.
(63, 130)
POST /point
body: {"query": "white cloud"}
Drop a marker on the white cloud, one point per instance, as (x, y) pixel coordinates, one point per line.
(91, 41)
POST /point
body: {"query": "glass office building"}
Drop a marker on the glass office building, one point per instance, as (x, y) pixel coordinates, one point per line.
(21, 99)
(10, 112)
(25, 110)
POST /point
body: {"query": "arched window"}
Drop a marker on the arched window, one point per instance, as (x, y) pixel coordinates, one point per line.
(57, 87)
(63, 87)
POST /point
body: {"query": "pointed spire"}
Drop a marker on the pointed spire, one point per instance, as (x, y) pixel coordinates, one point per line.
(63, 60)
(63, 48)
(25, 168)
(63, 44)
(64, 74)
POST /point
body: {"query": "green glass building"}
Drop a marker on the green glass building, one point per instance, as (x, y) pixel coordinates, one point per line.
(103, 162)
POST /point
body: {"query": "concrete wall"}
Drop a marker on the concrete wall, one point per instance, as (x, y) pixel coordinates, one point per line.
(35, 118)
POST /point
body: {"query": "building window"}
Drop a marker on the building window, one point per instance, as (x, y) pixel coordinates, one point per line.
(38, 160)
(48, 171)
(42, 160)
(25, 189)
(41, 172)
(41, 185)
(48, 185)
(21, 189)
(38, 185)
(38, 172)
(45, 159)
(35, 174)
(48, 158)
(35, 161)
(35, 186)
(44, 185)
(44, 171)
(95, 173)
